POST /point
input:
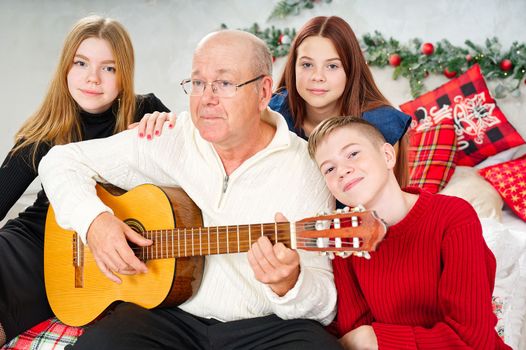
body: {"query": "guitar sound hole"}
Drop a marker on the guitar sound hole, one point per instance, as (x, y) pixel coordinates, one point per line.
(135, 225)
(139, 228)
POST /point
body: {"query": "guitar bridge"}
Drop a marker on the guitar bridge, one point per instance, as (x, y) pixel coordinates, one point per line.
(78, 260)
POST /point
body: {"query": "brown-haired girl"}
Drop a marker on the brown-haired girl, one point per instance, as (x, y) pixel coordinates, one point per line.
(326, 75)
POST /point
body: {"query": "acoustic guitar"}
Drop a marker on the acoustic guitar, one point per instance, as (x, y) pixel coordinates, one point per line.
(79, 293)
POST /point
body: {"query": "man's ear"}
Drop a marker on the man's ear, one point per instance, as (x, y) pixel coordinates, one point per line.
(389, 154)
(265, 92)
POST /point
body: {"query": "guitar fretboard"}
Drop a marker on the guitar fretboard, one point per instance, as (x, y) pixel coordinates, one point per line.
(176, 243)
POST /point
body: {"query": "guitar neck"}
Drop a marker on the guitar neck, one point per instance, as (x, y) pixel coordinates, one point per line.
(184, 242)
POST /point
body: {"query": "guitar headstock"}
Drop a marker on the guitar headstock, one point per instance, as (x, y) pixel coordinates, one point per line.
(342, 232)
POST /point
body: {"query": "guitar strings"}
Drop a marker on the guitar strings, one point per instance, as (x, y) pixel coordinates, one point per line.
(308, 243)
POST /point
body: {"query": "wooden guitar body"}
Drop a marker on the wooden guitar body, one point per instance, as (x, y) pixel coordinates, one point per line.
(79, 293)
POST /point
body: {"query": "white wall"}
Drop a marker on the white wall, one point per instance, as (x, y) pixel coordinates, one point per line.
(165, 32)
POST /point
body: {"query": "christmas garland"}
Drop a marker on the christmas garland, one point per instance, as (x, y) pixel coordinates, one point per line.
(285, 8)
(415, 60)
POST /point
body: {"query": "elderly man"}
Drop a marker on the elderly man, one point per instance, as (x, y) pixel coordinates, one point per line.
(239, 163)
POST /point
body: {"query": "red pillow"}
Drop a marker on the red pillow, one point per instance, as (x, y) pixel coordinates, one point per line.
(509, 179)
(432, 155)
(481, 127)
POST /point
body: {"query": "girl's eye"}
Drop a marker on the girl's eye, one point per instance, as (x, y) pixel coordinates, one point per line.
(79, 63)
(110, 69)
(306, 65)
(333, 66)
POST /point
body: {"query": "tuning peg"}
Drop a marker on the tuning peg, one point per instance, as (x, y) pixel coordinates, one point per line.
(330, 255)
(321, 225)
(344, 254)
(346, 209)
(358, 209)
(355, 242)
(362, 254)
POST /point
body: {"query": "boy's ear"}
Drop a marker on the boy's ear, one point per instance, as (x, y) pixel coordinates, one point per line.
(389, 154)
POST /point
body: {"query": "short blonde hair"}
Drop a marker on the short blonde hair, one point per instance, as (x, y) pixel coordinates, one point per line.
(326, 127)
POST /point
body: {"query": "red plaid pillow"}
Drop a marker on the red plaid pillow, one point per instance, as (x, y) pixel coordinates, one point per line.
(432, 155)
(50, 334)
(482, 129)
(509, 179)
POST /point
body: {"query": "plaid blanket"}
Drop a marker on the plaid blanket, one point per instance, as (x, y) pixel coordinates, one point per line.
(48, 335)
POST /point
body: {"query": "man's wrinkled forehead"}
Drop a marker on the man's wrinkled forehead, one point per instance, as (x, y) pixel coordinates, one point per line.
(217, 62)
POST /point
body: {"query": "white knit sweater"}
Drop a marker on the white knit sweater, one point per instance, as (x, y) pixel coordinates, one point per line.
(280, 177)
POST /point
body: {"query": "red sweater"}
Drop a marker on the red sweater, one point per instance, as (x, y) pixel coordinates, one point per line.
(429, 284)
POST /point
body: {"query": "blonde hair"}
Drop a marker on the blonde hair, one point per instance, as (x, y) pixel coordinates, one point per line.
(328, 126)
(57, 120)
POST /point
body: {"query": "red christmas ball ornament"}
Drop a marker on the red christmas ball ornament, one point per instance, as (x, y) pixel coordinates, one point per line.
(428, 49)
(468, 57)
(395, 60)
(506, 65)
(284, 39)
(449, 74)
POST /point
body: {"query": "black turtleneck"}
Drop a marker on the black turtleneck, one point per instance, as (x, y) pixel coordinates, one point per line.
(17, 172)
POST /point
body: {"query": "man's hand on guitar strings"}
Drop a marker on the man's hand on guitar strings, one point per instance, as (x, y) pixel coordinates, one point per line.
(286, 277)
(108, 241)
(275, 265)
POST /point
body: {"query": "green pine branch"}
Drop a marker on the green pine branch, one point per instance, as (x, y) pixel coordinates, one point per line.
(286, 8)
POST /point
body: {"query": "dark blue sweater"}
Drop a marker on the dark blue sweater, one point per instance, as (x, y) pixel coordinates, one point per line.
(391, 122)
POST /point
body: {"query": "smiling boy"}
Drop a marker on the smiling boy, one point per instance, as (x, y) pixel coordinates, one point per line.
(429, 284)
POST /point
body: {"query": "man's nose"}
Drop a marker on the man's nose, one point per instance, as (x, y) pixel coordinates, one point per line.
(209, 95)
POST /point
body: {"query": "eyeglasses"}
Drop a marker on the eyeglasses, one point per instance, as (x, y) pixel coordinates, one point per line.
(220, 88)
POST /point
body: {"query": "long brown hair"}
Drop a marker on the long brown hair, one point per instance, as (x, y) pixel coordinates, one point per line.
(57, 120)
(360, 94)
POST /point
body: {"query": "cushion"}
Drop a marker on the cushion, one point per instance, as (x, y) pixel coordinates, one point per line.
(505, 156)
(509, 179)
(509, 295)
(481, 127)
(467, 184)
(50, 334)
(431, 156)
